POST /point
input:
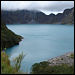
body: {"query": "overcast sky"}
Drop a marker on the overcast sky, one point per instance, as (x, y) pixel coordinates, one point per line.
(45, 6)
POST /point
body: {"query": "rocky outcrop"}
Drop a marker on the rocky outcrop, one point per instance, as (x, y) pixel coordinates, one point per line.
(67, 58)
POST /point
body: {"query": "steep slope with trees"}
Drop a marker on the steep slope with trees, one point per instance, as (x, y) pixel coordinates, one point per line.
(8, 38)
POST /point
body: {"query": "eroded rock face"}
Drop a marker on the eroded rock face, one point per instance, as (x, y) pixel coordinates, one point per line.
(63, 59)
(34, 17)
(69, 16)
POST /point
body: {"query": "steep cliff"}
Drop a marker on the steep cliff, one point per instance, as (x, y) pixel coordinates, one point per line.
(26, 17)
(69, 17)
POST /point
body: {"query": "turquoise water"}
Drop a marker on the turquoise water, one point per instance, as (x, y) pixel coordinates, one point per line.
(41, 42)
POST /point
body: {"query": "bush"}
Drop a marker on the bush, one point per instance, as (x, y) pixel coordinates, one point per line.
(17, 61)
(6, 68)
(44, 68)
(72, 56)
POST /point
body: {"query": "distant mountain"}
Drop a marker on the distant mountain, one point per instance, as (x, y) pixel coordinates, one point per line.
(37, 17)
(8, 38)
(69, 16)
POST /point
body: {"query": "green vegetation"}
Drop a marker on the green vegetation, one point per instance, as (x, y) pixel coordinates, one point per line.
(8, 38)
(61, 58)
(6, 68)
(44, 68)
(17, 61)
(72, 55)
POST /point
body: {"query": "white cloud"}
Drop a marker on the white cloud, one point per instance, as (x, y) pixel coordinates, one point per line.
(49, 6)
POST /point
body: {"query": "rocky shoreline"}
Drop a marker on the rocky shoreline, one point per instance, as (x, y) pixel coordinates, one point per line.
(67, 58)
(63, 64)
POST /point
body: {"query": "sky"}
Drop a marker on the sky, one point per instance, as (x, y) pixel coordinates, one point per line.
(47, 7)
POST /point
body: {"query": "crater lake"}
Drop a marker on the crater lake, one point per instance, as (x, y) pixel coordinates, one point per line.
(41, 42)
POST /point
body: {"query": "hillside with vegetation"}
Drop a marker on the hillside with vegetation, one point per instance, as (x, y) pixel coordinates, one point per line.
(63, 64)
(8, 38)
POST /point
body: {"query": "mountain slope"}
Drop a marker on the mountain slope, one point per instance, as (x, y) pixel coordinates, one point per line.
(8, 38)
(31, 17)
(69, 18)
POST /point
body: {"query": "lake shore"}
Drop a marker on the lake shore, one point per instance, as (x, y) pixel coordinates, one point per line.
(41, 42)
(67, 58)
(63, 64)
